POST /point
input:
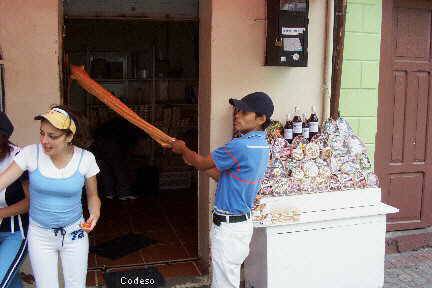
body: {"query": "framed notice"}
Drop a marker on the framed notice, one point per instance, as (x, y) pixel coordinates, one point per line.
(287, 33)
(293, 5)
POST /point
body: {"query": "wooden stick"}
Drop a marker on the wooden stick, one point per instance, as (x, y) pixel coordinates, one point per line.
(122, 109)
(340, 7)
(117, 106)
(94, 88)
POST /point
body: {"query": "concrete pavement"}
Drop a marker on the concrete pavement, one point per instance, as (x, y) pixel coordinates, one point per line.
(411, 269)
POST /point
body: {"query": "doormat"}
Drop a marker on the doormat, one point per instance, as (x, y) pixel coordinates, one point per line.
(148, 278)
(122, 246)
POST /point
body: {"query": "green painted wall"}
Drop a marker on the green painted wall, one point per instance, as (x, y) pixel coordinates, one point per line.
(360, 71)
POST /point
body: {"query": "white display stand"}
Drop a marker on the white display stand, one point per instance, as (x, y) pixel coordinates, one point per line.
(337, 242)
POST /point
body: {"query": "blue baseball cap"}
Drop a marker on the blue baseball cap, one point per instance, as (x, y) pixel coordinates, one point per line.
(258, 102)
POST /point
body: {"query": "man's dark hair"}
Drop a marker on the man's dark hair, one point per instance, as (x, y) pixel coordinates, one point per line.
(266, 123)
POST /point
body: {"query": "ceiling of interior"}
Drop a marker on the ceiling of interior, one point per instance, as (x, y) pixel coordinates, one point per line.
(131, 8)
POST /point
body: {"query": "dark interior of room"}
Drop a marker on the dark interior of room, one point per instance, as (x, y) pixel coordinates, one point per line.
(149, 196)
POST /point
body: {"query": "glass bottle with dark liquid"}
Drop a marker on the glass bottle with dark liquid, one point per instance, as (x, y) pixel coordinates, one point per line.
(305, 127)
(313, 123)
(288, 129)
(297, 123)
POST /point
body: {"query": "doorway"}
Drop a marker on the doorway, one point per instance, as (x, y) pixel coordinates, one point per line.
(152, 66)
(403, 158)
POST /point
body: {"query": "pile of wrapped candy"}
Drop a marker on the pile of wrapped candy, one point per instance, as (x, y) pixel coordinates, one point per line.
(333, 160)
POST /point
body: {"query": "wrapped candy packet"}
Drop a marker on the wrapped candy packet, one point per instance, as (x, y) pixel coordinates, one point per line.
(335, 159)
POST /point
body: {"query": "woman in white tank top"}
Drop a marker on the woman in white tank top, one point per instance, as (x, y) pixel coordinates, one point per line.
(58, 171)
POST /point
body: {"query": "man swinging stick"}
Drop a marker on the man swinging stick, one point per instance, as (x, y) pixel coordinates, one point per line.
(238, 166)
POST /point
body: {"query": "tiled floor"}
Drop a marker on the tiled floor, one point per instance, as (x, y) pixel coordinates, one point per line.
(169, 218)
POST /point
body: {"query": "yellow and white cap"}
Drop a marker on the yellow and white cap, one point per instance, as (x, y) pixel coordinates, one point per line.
(59, 118)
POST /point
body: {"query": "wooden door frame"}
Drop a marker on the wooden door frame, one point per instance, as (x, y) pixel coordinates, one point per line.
(385, 81)
(386, 85)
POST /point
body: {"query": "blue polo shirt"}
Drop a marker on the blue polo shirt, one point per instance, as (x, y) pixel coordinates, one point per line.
(242, 163)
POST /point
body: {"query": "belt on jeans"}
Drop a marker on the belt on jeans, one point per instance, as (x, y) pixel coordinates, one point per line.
(218, 219)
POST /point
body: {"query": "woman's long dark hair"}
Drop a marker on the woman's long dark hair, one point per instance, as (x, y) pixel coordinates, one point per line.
(5, 146)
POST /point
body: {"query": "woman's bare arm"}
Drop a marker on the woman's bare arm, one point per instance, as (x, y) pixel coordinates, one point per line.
(94, 204)
(10, 175)
(20, 207)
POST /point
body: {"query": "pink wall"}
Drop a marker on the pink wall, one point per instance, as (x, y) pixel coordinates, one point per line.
(29, 39)
(237, 68)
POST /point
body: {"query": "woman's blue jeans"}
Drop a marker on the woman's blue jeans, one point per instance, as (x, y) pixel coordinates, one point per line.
(13, 250)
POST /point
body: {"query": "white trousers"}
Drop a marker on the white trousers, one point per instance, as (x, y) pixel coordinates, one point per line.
(229, 248)
(45, 246)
